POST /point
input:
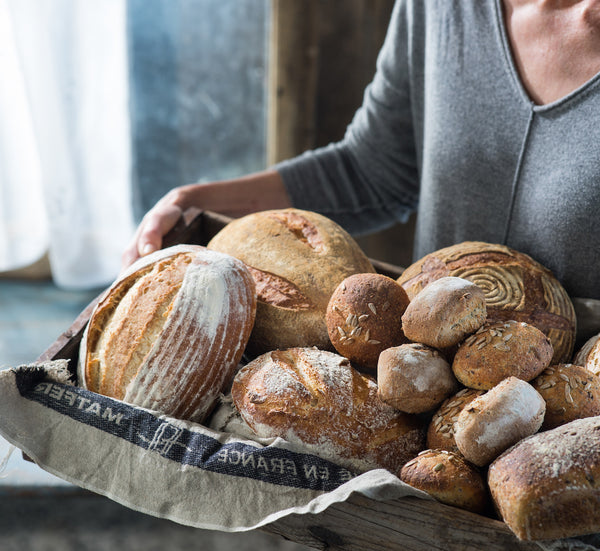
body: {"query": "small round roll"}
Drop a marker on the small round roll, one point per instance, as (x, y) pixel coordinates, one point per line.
(414, 378)
(588, 355)
(570, 391)
(448, 478)
(499, 350)
(496, 420)
(364, 317)
(445, 312)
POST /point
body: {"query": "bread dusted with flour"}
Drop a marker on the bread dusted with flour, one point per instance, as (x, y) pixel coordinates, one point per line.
(170, 332)
(317, 400)
(297, 259)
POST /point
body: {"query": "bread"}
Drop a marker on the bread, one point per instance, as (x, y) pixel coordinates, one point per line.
(297, 259)
(548, 486)
(444, 312)
(414, 378)
(570, 391)
(496, 420)
(448, 478)
(499, 350)
(588, 355)
(315, 399)
(169, 333)
(515, 286)
(364, 317)
(440, 433)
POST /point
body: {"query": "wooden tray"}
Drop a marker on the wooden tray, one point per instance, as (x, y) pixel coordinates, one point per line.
(360, 523)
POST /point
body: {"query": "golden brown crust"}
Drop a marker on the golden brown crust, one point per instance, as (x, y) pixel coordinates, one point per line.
(414, 378)
(448, 478)
(499, 350)
(315, 399)
(570, 391)
(548, 485)
(170, 333)
(297, 258)
(440, 434)
(516, 287)
(588, 355)
(364, 317)
(444, 312)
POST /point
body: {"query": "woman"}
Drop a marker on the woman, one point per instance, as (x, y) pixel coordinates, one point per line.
(482, 116)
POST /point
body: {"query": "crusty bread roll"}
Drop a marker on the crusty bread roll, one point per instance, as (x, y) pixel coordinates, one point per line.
(364, 317)
(170, 332)
(499, 350)
(548, 486)
(496, 420)
(440, 433)
(588, 355)
(317, 400)
(570, 392)
(515, 286)
(448, 478)
(414, 378)
(444, 312)
(297, 259)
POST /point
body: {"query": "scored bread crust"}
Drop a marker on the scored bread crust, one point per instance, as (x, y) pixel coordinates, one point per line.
(317, 400)
(169, 334)
(297, 259)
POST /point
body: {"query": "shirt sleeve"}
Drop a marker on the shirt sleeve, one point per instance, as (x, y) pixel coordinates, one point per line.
(369, 180)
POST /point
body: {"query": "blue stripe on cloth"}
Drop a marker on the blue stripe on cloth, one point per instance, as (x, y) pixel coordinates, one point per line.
(183, 446)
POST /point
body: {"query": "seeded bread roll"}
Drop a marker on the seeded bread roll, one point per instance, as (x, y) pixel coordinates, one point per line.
(496, 420)
(318, 401)
(440, 434)
(364, 317)
(499, 350)
(547, 487)
(588, 355)
(448, 478)
(297, 259)
(570, 391)
(414, 378)
(515, 286)
(444, 312)
(170, 332)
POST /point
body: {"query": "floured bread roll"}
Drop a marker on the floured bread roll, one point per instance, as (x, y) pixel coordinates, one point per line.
(588, 355)
(297, 259)
(496, 420)
(515, 286)
(170, 332)
(317, 400)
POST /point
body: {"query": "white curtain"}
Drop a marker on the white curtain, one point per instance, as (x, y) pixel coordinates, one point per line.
(64, 138)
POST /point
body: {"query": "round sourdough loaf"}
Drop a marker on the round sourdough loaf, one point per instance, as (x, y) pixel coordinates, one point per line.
(448, 478)
(169, 334)
(297, 259)
(515, 287)
(588, 355)
(316, 400)
(364, 317)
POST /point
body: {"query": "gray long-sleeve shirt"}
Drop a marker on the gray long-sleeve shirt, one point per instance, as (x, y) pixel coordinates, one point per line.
(448, 129)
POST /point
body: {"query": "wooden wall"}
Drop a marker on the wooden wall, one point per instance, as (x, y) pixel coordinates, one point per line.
(322, 56)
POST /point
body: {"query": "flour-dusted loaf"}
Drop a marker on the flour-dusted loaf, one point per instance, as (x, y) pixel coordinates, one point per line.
(515, 286)
(170, 332)
(444, 312)
(496, 420)
(315, 399)
(588, 355)
(548, 485)
(297, 259)
(364, 317)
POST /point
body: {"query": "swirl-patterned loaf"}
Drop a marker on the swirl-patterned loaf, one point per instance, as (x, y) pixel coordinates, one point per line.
(170, 332)
(516, 287)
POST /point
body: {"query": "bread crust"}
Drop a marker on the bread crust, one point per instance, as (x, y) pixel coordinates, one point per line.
(316, 399)
(515, 286)
(169, 334)
(297, 259)
(588, 355)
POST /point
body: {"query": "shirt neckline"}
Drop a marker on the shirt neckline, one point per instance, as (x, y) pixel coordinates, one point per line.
(511, 66)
